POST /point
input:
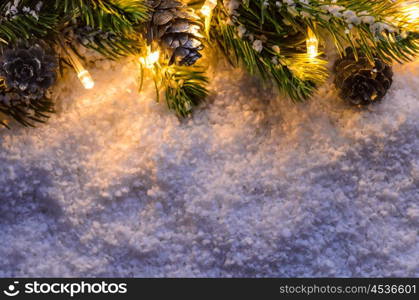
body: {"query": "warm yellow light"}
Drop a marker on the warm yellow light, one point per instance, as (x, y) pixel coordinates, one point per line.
(86, 79)
(84, 75)
(311, 49)
(150, 59)
(411, 11)
(206, 11)
(312, 44)
(207, 8)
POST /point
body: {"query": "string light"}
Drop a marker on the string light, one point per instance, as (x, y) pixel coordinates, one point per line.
(86, 79)
(151, 58)
(206, 11)
(410, 10)
(207, 8)
(312, 44)
(83, 75)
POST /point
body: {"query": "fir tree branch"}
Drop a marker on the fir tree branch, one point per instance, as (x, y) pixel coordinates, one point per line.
(116, 15)
(290, 68)
(107, 43)
(112, 26)
(374, 26)
(184, 88)
(24, 22)
(28, 114)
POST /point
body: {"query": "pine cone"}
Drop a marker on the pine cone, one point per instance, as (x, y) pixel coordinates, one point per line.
(175, 27)
(28, 71)
(361, 82)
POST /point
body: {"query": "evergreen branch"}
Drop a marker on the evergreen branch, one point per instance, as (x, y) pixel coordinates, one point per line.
(18, 24)
(291, 70)
(114, 49)
(372, 26)
(109, 44)
(109, 27)
(117, 15)
(36, 111)
(24, 20)
(184, 88)
(27, 112)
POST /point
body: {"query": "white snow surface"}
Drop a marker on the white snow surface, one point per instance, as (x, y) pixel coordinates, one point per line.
(251, 185)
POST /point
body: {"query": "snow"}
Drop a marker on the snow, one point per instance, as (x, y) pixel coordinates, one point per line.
(252, 185)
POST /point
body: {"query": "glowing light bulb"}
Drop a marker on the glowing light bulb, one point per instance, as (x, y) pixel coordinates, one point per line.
(206, 11)
(207, 8)
(150, 59)
(312, 44)
(86, 79)
(83, 75)
(410, 9)
(153, 57)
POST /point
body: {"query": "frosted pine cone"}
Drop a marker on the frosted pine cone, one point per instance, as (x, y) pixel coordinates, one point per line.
(175, 27)
(28, 71)
(362, 82)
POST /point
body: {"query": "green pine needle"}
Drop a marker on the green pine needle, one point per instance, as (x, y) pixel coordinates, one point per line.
(291, 70)
(184, 89)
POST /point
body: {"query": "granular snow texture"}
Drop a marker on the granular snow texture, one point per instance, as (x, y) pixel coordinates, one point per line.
(252, 185)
